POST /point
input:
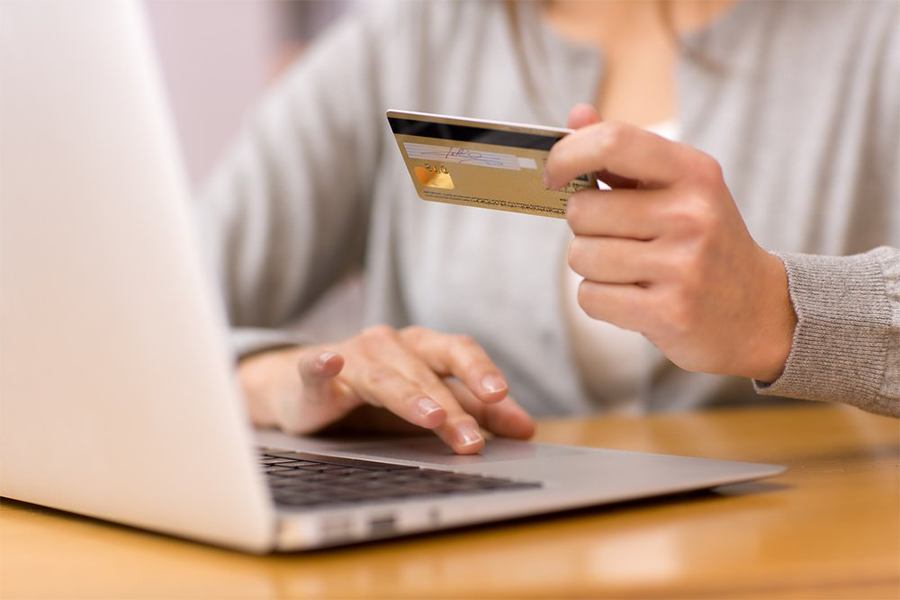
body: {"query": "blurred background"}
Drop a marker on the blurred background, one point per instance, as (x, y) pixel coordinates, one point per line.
(217, 57)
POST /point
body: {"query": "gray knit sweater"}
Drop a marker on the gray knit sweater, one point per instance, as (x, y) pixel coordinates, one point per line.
(800, 102)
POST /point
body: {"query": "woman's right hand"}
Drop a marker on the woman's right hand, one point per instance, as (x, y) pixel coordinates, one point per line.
(445, 383)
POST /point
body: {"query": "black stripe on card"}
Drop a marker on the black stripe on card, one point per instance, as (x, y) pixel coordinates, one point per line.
(467, 133)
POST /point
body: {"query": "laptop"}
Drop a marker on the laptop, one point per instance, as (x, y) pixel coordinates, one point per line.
(118, 397)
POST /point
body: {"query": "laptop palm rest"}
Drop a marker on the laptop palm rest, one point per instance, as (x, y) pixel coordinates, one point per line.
(419, 450)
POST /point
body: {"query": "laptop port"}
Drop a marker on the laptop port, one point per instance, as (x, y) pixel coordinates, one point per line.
(382, 525)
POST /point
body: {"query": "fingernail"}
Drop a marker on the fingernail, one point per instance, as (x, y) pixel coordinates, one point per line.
(427, 406)
(324, 358)
(493, 383)
(468, 435)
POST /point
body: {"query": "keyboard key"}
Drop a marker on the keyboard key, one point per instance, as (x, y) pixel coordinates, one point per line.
(301, 480)
(279, 469)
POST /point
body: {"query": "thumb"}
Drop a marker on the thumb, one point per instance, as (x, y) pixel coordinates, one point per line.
(317, 372)
(582, 115)
(323, 397)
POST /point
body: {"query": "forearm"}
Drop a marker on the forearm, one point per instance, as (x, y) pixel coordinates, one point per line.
(846, 345)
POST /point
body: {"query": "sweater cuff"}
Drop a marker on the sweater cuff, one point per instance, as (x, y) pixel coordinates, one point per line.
(840, 346)
(246, 341)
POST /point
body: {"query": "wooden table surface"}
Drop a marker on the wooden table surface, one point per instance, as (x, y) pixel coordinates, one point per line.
(827, 528)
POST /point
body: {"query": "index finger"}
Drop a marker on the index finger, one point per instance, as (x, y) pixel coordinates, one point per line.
(621, 149)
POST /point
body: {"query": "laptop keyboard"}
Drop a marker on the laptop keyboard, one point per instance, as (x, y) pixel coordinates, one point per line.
(302, 480)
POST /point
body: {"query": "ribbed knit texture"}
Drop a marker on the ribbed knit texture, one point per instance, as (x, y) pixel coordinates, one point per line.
(845, 328)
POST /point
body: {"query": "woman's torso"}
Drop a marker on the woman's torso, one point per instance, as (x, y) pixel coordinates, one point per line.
(791, 104)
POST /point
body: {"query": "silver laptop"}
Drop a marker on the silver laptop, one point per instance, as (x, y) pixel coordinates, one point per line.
(117, 392)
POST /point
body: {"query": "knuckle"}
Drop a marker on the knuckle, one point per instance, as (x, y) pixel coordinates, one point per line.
(412, 397)
(462, 418)
(686, 266)
(380, 375)
(680, 311)
(414, 332)
(702, 242)
(586, 300)
(680, 216)
(577, 254)
(612, 136)
(378, 332)
(694, 215)
(706, 168)
(706, 219)
(465, 341)
(670, 263)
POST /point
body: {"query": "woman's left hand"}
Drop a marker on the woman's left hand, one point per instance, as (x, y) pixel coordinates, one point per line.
(672, 258)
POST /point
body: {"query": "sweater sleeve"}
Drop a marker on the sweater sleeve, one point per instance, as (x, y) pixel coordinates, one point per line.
(846, 345)
(285, 213)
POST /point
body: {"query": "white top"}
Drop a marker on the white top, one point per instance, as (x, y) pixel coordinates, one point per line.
(612, 361)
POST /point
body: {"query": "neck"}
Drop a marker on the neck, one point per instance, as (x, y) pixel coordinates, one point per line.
(611, 22)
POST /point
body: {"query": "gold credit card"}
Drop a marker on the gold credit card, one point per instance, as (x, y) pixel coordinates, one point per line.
(489, 164)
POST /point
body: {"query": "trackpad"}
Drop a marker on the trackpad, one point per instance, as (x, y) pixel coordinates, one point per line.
(432, 450)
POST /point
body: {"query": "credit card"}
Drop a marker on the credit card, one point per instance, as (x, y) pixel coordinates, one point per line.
(488, 164)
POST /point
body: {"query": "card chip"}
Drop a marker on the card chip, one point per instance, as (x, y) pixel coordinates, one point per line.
(435, 177)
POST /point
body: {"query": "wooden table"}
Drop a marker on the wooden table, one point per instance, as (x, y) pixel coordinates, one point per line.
(828, 528)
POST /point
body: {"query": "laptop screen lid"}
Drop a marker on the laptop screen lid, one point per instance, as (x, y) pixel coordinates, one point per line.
(116, 394)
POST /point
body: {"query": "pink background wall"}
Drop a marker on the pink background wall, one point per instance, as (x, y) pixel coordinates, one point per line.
(217, 57)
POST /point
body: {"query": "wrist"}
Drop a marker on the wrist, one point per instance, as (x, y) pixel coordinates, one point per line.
(261, 376)
(773, 330)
